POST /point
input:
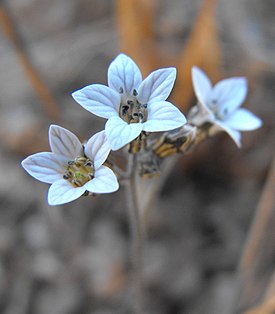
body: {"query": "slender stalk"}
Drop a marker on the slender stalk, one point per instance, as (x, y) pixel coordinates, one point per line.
(136, 232)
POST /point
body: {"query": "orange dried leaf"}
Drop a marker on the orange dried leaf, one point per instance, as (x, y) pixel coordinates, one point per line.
(135, 27)
(9, 29)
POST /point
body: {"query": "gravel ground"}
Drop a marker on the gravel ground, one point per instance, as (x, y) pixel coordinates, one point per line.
(74, 259)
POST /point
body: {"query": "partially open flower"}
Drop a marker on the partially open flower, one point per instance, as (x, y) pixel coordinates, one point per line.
(71, 169)
(221, 103)
(130, 104)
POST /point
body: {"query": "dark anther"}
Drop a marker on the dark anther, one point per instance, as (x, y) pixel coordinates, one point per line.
(144, 106)
(125, 107)
(131, 117)
(88, 164)
(140, 115)
(65, 177)
(86, 193)
(135, 114)
(130, 102)
(124, 110)
(71, 162)
(135, 93)
(121, 91)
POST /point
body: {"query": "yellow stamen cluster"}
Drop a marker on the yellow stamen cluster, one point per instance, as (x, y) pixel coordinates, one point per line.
(79, 171)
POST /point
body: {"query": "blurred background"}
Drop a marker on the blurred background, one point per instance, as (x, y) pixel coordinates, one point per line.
(210, 245)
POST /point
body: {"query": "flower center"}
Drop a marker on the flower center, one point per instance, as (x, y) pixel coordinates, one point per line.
(79, 171)
(131, 110)
(219, 114)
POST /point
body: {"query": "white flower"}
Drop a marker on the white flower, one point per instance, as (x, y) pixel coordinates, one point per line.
(71, 169)
(130, 104)
(220, 105)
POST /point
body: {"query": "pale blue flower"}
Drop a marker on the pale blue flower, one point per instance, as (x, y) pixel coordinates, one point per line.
(220, 104)
(71, 169)
(130, 104)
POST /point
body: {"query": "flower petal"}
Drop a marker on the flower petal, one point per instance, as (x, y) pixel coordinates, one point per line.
(243, 120)
(202, 85)
(61, 192)
(119, 133)
(234, 134)
(230, 93)
(99, 100)
(124, 73)
(98, 148)
(45, 167)
(163, 116)
(104, 181)
(65, 143)
(157, 86)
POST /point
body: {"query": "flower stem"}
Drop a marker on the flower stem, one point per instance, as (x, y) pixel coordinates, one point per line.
(136, 231)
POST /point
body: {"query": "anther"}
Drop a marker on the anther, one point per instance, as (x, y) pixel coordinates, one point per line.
(135, 93)
(144, 106)
(138, 106)
(130, 102)
(140, 116)
(71, 162)
(88, 163)
(121, 91)
(90, 176)
(125, 108)
(65, 177)
(131, 117)
(76, 182)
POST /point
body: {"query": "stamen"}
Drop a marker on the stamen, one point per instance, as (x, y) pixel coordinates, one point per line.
(125, 108)
(76, 182)
(79, 171)
(132, 111)
(90, 176)
(121, 91)
(88, 163)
